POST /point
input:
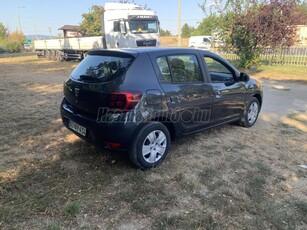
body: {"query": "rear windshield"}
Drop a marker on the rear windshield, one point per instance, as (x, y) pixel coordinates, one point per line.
(97, 68)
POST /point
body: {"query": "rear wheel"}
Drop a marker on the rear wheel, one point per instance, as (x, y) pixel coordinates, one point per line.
(150, 146)
(251, 113)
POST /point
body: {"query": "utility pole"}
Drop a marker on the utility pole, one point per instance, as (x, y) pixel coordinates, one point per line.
(19, 7)
(50, 32)
(36, 37)
(179, 23)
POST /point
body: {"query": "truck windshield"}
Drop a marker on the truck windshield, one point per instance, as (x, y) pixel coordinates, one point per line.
(143, 26)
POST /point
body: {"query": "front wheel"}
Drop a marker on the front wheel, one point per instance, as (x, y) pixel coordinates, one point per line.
(251, 113)
(150, 146)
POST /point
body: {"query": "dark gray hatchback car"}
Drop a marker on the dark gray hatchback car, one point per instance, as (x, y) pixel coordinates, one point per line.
(141, 99)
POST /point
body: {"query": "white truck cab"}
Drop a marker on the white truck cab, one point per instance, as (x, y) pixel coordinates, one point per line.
(128, 25)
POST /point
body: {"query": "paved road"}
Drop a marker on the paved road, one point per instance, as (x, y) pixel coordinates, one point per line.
(282, 99)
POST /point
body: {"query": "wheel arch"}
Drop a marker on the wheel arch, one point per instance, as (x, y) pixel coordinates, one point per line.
(259, 98)
(168, 124)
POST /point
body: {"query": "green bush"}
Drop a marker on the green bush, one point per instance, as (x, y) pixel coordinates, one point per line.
(2, 49)
(2, 46)
(7, 46)
(13, 47)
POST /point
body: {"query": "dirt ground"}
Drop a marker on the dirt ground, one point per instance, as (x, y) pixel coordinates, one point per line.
(225, 178)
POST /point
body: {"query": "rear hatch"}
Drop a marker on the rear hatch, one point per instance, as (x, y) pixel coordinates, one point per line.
(95, 78)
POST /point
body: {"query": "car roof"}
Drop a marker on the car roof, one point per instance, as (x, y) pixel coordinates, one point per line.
(135, 51)
(158, 51)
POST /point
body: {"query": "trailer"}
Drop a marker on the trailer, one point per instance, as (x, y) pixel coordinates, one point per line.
(124, 25)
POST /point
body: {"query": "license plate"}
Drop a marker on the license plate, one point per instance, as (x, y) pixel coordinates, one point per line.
(78, 128)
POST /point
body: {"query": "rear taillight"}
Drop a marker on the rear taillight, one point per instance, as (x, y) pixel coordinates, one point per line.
(124, 100)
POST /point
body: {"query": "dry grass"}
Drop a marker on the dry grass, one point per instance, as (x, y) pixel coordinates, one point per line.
(280, 73)
(226, 178)
(172, 41)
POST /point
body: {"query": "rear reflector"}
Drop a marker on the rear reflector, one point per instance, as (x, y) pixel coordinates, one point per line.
(124, 100)
(114, 145)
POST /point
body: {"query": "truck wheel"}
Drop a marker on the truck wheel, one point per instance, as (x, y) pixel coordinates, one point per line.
(251, 112)
(48, 55)
(59, 57)
(150, 146)
(53, 55)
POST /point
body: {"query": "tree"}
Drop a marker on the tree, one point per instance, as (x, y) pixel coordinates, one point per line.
(221, 7)
(208, 25)
(220, 16)
(275, 24)
(164, 33)
(3, 31)
(187, 30)
(17, 37)
(272, 24)
(91, 24)
(249, 25)
(243, 40)
(10, 43)
(216, 25)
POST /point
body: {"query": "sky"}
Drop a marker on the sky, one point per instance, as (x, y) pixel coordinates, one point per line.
(44, 17)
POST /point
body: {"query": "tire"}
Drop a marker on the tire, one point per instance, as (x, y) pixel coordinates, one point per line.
(251, 113)
(150, 146)
(59, 56)
(48, 55)
(53, 55)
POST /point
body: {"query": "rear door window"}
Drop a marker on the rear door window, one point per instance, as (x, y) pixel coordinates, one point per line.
(180, 68)
(164, 69)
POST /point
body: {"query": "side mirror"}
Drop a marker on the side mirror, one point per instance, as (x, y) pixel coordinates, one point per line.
(244, 77)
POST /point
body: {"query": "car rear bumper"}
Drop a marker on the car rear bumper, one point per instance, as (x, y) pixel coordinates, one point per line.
(113, 135)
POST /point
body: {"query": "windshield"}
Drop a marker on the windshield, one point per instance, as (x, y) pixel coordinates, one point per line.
(143, 26)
